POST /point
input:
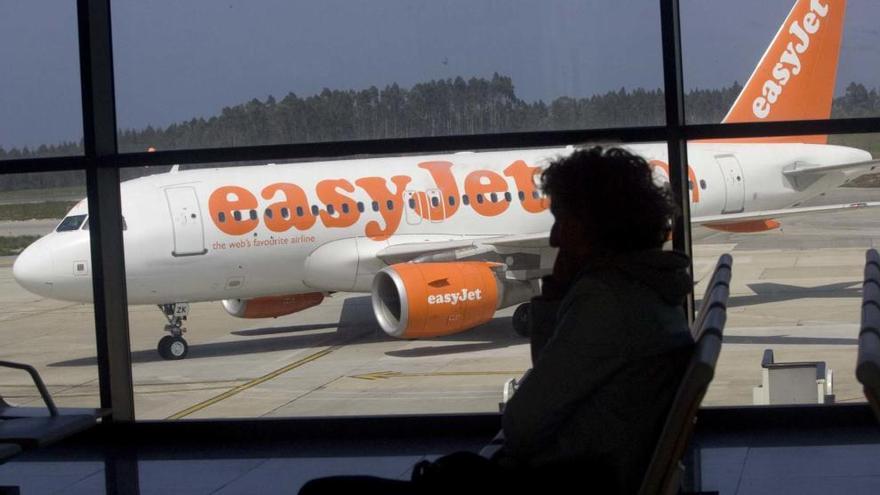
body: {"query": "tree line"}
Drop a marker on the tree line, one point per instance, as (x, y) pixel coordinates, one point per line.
(434, 108)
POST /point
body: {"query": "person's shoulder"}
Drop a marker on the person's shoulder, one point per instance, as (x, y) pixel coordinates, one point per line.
(609, 282)
(592, 284)
(594, 291)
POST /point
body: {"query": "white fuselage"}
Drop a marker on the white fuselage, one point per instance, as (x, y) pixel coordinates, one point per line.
(180, 248)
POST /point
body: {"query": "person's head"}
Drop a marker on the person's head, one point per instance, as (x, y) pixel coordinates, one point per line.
(605, 201)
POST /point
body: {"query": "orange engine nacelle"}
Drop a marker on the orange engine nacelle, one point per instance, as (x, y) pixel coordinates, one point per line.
(418, 300)
(271, 306)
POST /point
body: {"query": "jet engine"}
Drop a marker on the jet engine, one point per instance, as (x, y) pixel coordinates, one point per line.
(271, 306)
(419, 300)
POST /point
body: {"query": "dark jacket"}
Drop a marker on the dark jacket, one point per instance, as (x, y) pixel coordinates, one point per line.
(601, 385)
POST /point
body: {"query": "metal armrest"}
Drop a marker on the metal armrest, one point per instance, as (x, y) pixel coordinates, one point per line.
(38, 381)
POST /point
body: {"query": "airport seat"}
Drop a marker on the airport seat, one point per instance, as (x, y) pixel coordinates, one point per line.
(665, 469)
(868, 361)
(35, 427)
(872, 266)
(717, 291)
(9, 411)
(872, 257)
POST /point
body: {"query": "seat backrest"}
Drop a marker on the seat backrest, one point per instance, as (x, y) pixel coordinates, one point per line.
(868, 361)
(872, 256)
(717, 292)
(868, 368)
(872, 272)
(662, 476)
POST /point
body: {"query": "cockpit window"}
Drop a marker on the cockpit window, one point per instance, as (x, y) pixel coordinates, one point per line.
(86, 224)
(73, 222)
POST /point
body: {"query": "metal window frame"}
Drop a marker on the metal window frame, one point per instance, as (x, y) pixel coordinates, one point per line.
(102, 161)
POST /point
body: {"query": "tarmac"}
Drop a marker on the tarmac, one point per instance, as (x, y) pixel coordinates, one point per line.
(796, 291)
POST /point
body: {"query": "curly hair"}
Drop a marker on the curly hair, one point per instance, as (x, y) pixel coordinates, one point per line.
(613, 192)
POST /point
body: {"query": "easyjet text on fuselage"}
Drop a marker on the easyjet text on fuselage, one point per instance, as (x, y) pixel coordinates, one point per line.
(236, 211)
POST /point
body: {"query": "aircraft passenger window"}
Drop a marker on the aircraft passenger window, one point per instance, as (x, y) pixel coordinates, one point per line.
(360, 206)
(480, 198)
(690, 185)
(237, 215)
(253, 214)
(703, 184)
(435, 201)
(451, 200)
(73, 222)
(535, 194)
(268, 213)
(412, 203)
(285, 213)
(494, 197)
(375, 206)
(390, 204)
(330, 209)
(507, 197)
(299, 211)
(465, 199)
(522, 195)
(221, 217)
(315, 210)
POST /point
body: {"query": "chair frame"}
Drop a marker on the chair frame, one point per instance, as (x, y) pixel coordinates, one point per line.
(868, 361)
(663, 475)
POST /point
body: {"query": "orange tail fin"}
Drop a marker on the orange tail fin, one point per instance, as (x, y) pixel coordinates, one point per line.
(795, 78)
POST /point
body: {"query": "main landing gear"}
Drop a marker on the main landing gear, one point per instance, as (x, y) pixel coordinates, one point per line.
(521, 320)
(174, 346)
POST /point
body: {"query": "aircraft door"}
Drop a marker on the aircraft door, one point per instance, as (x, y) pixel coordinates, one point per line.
(734, 183)
(186, 219)
(411, 202)
(436, 206)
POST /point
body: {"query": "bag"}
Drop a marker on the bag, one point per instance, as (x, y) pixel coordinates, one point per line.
(462, 471)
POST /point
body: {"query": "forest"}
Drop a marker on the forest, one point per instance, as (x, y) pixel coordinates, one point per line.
(434, 108)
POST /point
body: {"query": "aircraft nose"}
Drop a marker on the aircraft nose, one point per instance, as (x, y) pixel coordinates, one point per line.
(33, 269)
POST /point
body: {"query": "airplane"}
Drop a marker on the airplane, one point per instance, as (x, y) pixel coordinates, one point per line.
(440, 241)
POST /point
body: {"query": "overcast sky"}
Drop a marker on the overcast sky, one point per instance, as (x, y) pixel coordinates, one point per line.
(181, 59)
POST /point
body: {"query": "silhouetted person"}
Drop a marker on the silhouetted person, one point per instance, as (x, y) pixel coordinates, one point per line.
(609, 341)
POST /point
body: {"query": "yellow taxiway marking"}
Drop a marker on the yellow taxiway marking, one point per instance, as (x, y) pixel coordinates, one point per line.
(253, 383)
(384, 375)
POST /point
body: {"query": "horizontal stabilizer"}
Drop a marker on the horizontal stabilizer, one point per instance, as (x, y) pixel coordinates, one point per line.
(800, 169)
(771, 214)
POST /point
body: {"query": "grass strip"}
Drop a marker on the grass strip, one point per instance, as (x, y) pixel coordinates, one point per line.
(13, 245)
(39, 211)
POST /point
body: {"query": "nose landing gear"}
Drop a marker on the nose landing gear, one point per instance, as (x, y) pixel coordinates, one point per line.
(174, 346)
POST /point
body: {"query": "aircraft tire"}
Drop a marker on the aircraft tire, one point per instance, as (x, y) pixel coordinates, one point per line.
(521, 320)
(173, 348)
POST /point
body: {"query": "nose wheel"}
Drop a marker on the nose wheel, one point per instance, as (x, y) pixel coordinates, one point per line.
(174, 346)
(171, 347)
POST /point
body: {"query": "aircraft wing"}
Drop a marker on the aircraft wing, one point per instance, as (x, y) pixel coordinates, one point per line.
(530, 248)
(489, 248)
(757, 216)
